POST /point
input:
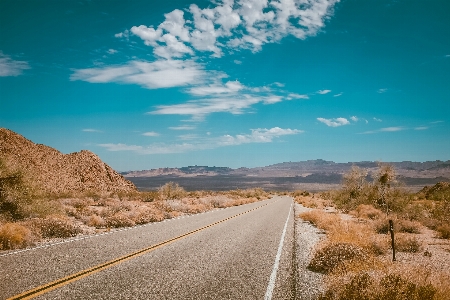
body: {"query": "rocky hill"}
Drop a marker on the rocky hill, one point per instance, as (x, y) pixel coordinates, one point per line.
(55, 172)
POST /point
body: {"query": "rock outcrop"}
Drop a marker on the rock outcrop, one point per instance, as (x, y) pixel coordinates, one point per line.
(56, 172)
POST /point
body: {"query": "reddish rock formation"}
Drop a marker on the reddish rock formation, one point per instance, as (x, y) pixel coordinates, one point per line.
(56, 172)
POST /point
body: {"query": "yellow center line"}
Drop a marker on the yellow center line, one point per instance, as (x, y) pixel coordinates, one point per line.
(40, 290)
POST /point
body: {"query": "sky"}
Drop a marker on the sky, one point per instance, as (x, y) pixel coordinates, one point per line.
(236, 83)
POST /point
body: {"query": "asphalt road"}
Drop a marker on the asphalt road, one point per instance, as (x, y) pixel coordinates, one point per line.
(247, 256)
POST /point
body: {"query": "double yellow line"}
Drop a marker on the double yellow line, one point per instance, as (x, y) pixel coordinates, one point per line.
(40, 290)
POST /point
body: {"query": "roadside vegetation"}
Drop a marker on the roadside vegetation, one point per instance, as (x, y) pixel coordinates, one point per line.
(356, 255)
(28, 216)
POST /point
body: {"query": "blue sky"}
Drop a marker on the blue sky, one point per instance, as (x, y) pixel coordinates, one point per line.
(244, 83)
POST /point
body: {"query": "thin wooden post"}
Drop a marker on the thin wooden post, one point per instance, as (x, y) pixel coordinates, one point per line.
(391, 229)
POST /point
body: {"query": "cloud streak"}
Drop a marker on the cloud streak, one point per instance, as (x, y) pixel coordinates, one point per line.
(151, 75)
(10, 67)
(256, 136)
(334, 122)
(386, 129)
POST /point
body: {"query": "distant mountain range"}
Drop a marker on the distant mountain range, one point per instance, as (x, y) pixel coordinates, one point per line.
(428, 169)
(312, 175)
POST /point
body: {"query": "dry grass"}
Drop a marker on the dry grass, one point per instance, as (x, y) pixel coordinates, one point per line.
(350, 256)
(13, 236)
(90, 211)
(373, 279)
(310, 200)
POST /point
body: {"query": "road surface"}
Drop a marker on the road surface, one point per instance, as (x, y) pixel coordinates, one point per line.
(243, 252)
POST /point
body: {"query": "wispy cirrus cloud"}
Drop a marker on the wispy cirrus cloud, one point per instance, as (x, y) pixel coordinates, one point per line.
(182, 127)
(386, 129)
(256, 136)
(323, 92)
(91, 130)
(151, 75)
(151, 133)
(11, 67)
(296, 96)
(334, 122)
(381, 91)
(200, 108)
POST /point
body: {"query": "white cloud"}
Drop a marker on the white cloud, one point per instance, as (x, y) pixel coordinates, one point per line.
(296, 96)
(121, 147)
(124, 34)
(338, 95)
(112, 51)
(391, 129)
(323, 92)
(256, 136)
(10, 67)
(151, 75)
(229, 87)
(150, 133)
(230, 25)
(421, 128)
(183, 127)
(354, 118)
(238, 62)
(334, 122)
(198, 109)
(381, 91)
(186, 137)
(386, 129)
(91, 130)
(378, 120)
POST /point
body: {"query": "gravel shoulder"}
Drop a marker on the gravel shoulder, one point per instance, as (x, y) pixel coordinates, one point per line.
(309, 284)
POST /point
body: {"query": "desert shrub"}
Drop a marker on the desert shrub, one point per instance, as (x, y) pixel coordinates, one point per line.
(400, 225)
(384, 192)
(364, 285)
(95, 221)
(407, 243)
(171, 191)
(409, 226)
(147, 214)
(367, 212)
(149, 196)
(120, 219)
(56, 226)
(444, 231)
(332, 255)
(298, 193)
(321, 219)
(13, 236)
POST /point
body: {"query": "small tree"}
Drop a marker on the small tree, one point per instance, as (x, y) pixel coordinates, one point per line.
(171, 191)
(385, 184)
(355, 182)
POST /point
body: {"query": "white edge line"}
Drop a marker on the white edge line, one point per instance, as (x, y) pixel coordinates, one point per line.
(273, 276)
